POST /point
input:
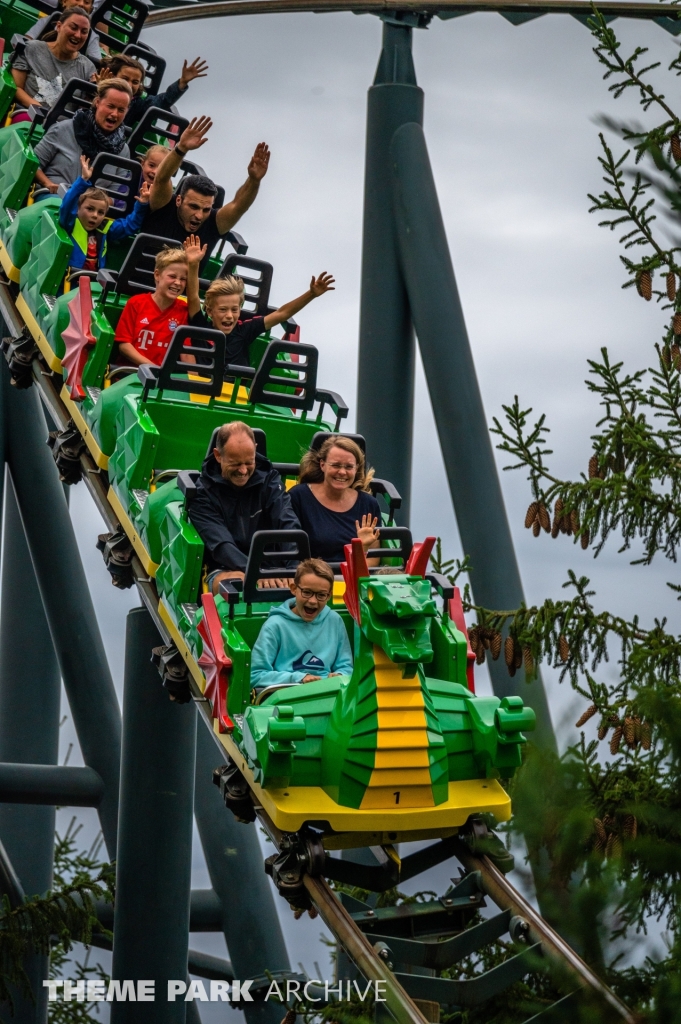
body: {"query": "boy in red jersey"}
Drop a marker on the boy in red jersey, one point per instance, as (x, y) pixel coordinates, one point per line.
(148, 321)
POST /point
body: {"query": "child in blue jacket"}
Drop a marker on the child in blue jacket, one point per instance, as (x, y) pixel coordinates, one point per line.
(302, 640)
(83, 213)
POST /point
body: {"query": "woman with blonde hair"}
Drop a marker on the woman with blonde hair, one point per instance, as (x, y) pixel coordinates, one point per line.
(332, 499)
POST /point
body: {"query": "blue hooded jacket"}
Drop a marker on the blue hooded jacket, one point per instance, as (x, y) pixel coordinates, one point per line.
(288, 648)
(115, 230)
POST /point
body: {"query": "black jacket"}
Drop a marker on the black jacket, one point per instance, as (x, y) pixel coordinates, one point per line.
(226, 516)
(164, 100)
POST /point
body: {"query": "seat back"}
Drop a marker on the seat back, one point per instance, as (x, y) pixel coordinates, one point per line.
(17, 170)
(257, 283)
(156, 127)
(123, 19)
(263, 550)
(136, 276)
(18, 238)
(120, 179)
(207, 347)
(276, 377)
(322, 435)
(77, 94)
(154, 66)
(260, 441)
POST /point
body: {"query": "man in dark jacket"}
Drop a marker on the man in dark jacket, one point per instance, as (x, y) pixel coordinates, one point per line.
(238, 493)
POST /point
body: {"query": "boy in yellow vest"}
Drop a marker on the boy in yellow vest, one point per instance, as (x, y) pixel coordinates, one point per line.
(83, 213)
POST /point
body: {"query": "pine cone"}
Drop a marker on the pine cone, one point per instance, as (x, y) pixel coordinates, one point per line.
(593, 467)
(637, 728)
(528, 660)
(312, 912)
(609, 844)
(557, 518)
(616, 847)
(495, 644)
(518, 660)
(574, 520)
(531, 514)
(473, 638)
(630, 827)
(646, 737)
(666, 356)
(544, 518)
(509, 651)
(676, 147)
(671, 285)
(676, 324)
(583, 719)
(603, 730)
(584, 540)
(563, 648)
(480, 655)
(536, 528)
(630, 732)
(645, 285)
(675, 355)
(601, 835)
(615, 741)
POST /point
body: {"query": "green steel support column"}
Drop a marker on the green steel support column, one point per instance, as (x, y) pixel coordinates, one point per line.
(385, 390)
(30, 692)
(457, 403)
(65, 595)
(153, 872)
(235, 864)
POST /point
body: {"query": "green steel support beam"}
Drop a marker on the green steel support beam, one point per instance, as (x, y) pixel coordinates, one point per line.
(57, 785)
(153, 871)
(385, 388)
(30, 694)
(456, 400)
(65, 595)
(235, 865)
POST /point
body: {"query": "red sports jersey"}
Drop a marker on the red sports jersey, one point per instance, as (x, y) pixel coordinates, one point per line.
(149, 329)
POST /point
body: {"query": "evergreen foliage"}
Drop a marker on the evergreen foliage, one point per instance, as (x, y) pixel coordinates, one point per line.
(608, 812)
(52, 923)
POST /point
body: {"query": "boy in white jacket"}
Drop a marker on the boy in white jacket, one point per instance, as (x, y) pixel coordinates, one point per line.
(302, 640)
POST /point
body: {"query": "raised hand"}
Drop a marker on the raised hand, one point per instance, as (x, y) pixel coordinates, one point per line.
(257, 169)
(193, 248)
(145, 190)
(194, 135)
(324, 283)
(367, 532)
(85, 168)
(197, 69)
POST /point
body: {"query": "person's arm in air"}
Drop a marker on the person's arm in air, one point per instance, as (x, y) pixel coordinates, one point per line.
(195, 253)
(342, 662)
(231, 212)
(165, 100)
(215, 534)
(264, 656)
(68, 211)
(130, 225)
(193, 137)
(318, 286)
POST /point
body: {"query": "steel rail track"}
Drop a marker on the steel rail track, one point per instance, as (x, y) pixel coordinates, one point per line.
(578, 8)
(333, 913)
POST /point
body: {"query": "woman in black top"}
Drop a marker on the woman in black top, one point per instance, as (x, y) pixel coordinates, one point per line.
(332, 502)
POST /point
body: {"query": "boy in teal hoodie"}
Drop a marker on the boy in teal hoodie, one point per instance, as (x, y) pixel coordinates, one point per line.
(302, 640)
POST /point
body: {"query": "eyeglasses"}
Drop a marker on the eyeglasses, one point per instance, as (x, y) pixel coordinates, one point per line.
(350, 466)
(308, 595)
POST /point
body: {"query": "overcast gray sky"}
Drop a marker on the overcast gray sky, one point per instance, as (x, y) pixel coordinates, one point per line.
(509, 120)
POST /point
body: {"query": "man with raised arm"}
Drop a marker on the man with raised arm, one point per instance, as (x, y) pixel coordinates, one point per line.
(190, 211)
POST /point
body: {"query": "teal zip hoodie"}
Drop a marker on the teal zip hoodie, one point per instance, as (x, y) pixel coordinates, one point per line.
(288, 648)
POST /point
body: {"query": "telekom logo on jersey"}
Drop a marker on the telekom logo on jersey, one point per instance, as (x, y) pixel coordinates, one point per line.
(145, 338)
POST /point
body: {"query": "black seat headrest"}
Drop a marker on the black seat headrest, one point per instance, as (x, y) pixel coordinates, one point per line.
(120, 179)
(157, 127)
(321, 436)
(123, 19)
(154, 66)
(260, 441)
